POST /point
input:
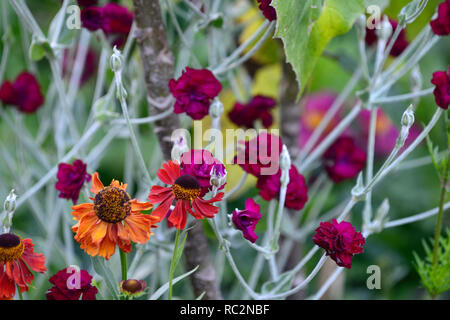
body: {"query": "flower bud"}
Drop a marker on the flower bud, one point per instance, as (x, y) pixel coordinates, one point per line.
(116, 60)
(357, 190)
(385, 30)
(10, 207)
(408, 117)
(285, 165)
(216, 109)
(360, 24)
(218, 176)
(410, 12)
(180, 146)
(132, 288)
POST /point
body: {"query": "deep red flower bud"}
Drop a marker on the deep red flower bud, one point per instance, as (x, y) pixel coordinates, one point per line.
(267, 10)
(71, 178)
(340, 241)
(344, 160)
(25, 93)
(194, 91)
(442, 91)
(67, 285)
(441, 25)
(246, 220)
(244, 115)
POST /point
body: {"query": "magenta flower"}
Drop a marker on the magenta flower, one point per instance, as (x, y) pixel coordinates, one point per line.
(245, 115)
(315, 106)
(400, 44)
(340, 241)
(117, 19)
(71, 178)
(441, 25)
(297, 191)
(89, 68)
(200, 164)
(24, 93)
(260, 155)
(441, 80)
(194, 91)
(71, 286)
(386, 132)
(344, 160)
(246, 220)
(267, 10)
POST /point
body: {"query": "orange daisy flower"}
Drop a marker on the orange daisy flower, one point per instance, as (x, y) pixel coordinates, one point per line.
(186, 190)
(17, 257)
(113, 219)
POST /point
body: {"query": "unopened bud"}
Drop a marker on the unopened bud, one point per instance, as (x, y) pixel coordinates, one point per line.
(285, 165)
(216, 109)
(116, 60)
(408, 117)
(385, 30)
(218, 175)
(361, 24)
(10, 207)
(410, 12)
(358, 189)
(179, 147)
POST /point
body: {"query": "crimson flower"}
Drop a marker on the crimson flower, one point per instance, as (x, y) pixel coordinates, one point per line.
(71, 178)
(200, 164)
(24, 93)
(186, 191)
(340, 241)
(267, 10)
(244, 115)
(297, 191)
(92, 18)
(86, 3)
(400, 44)
(70, 285)
(260, 155)
(441, 25)
(246, 220)
(344, 160)
(194, 91)
(441, 80)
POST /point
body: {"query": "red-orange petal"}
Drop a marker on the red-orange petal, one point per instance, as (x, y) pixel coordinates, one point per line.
(97, 185)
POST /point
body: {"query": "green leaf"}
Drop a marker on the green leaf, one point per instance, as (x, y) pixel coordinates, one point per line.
(305, 38)
(103, 271)
(158, 293)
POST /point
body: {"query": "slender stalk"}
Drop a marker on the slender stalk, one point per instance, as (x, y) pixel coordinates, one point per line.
(172, 264)
(123, 265)
(19, 292)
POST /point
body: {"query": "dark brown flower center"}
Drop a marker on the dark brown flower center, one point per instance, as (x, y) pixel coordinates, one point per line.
(132, 286)
(186, 187)
(11, 247)
(112, 204)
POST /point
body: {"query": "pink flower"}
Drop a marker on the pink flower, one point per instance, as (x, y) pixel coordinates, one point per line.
(246, 220)
(297, 191)
(194, 91)
(400, 44)
(315, 107)
(386, 132)
(267, 10)
(244, 115)
(442, 91)
(24, 93)
(441, 25)
(65, 286)
(71, 178)
(260, 155)
(200, 164)
(89, 67)
(340, 241)
(344, 160)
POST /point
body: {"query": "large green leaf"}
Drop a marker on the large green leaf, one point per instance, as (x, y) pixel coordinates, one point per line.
(306, 28)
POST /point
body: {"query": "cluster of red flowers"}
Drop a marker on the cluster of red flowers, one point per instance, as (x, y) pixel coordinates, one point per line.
(71, 284)
(24, 93)
(245, 115)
